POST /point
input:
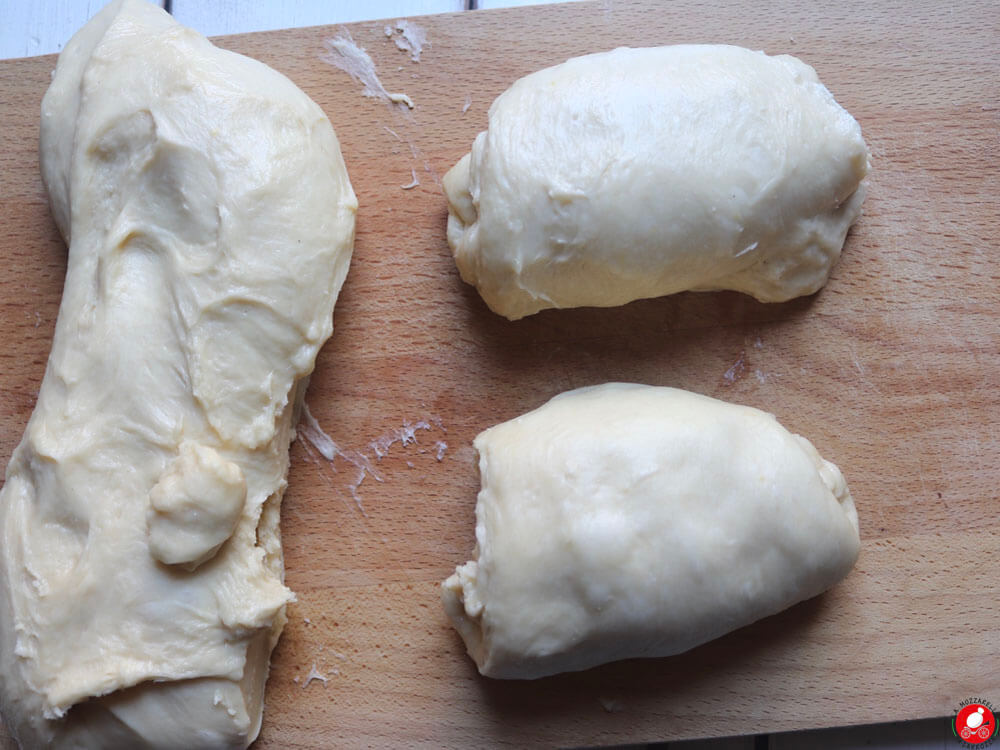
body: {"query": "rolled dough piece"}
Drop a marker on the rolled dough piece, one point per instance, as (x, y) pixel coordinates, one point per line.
(642, 172)
(624, 521)
(210, 223)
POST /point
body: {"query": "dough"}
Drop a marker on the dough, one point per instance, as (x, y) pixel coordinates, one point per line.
(210, 222)
(626, 521)
(642, 172)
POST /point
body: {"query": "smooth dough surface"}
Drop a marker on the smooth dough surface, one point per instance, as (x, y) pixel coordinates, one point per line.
(624, 521)
(642, 172)
(210, 224)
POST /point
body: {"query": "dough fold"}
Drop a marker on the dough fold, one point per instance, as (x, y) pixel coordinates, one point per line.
(210, 224)
(643, 172)
(623, 521)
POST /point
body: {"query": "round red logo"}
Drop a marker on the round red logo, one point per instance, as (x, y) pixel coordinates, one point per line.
(975, 723)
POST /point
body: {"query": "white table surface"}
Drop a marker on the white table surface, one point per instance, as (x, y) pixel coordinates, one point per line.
(39, 27)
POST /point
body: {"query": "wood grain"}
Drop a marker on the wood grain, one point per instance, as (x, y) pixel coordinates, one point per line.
(893, 370)
(240, 16)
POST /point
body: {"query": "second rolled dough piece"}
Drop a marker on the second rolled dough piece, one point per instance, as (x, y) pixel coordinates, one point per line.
(624, 521)
(642, 172)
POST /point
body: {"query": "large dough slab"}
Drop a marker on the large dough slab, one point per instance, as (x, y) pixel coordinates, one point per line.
(210, 224)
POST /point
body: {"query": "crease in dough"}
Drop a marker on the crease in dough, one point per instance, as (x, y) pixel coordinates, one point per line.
(642, 172)
(623, 521)
(210, 224)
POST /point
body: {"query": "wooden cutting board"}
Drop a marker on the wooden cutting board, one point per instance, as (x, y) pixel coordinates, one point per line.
(893, 370)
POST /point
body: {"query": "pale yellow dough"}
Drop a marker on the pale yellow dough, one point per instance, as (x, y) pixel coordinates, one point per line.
(626, 521)
(643, 172)
(210, 223)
